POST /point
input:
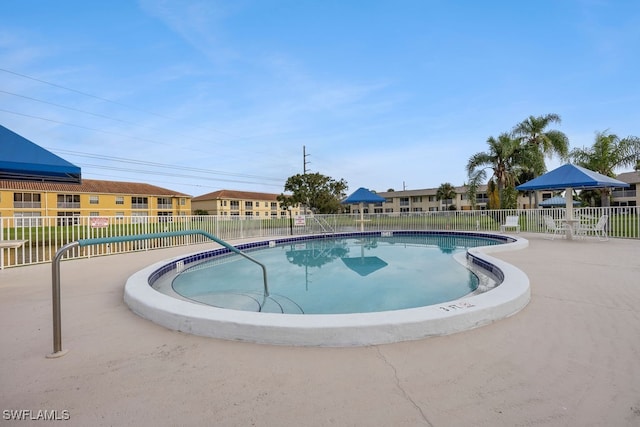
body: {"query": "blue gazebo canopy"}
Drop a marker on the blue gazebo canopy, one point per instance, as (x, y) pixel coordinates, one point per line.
(362, 195)
(22, 160)
(556, 201)
(571, 176)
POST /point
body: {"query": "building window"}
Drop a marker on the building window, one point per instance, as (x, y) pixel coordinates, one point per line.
(404, 201)
(26, 200)
(257, 204)
(119, 200)
(417, 199)
(139, 202)
(164, 217)
(164, 203)
(183, 201)
(27, 219)
(235, 205)
(248, 205)
(68, 218)
(139, 217)
(94, 213)
(94, 200)
(482, 198)
(274, 206)
(66, 201)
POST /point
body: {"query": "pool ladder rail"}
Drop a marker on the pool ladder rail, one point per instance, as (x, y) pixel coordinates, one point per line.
(55, 271)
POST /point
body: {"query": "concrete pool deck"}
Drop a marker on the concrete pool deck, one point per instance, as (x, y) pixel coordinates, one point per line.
(569, 358)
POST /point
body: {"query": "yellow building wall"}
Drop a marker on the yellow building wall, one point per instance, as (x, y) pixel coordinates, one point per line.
(260, 208)
(106, 205)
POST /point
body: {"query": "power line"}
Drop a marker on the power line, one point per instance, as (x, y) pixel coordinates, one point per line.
(100, 98)
(102, 116)
(175, 175)
(121, 135)
(235, 137)
(83, 127)
(162, 165)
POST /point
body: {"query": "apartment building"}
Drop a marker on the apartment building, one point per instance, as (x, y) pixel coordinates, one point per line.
(241, 203)
(25, 201)
(425, 200)
(627, 196)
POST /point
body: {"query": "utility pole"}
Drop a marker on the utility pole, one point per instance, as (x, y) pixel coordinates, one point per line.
(304, 160)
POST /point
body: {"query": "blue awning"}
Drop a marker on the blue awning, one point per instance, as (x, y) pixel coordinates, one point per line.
(362, 195)
(571, 176)
(22, 160)
(557, 201)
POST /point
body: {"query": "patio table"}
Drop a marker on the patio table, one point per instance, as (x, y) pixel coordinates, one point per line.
(571, 226)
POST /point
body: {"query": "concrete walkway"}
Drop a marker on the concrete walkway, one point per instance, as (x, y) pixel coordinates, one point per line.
(570, 358)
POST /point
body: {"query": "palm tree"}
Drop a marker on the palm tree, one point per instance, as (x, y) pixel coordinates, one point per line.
(533, 132)
(446, 192)
(608, 153)
(506, 158)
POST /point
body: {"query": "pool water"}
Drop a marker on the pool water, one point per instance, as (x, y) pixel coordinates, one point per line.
(336, 276)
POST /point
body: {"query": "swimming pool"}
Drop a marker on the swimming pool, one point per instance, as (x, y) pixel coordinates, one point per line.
(358, 274)
(471, 308)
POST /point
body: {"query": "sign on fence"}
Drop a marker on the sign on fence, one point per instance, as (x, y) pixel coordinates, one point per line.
(99, 222)
(299, 221)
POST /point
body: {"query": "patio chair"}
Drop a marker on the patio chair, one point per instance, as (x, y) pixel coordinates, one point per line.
(553, 228)
(511, 222)
(598, 229)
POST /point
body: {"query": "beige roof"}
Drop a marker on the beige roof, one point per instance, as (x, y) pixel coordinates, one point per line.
(232, 194)
(92, 186)
(629, 177)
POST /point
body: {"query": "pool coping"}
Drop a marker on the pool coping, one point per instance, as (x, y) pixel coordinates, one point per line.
(339, 330)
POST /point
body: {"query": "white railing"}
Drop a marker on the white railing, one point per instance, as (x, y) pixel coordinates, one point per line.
(45, 235)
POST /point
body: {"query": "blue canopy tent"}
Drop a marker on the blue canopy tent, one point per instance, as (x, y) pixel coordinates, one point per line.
(568, 177)
(557, 201)
(22, 160)
(360, 197)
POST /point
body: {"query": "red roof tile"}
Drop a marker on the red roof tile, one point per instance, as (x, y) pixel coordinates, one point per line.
(92, 186)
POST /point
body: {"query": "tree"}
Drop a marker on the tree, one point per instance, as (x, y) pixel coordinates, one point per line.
(506, 158)
(533, 132)
(446, 192)
(607, 154)
(317, 192)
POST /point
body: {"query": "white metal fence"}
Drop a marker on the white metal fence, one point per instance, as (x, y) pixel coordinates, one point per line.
(45, 235)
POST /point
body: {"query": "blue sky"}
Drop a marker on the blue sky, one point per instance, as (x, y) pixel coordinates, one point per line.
(198, 96)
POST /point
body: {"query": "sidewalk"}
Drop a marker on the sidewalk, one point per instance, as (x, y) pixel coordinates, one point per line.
(570, 358)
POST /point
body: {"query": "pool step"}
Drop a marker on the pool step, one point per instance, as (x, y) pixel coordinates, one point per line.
(250, 301)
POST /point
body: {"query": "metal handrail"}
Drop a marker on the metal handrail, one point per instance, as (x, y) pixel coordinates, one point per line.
(55, 271)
